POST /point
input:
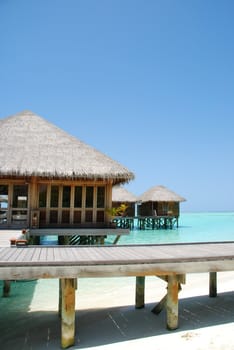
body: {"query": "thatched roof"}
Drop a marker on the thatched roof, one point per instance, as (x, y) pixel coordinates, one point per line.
(120, 194)
(160, 194)
(31, 146)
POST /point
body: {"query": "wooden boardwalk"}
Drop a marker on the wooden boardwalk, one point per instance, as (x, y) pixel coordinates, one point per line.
(67, 263)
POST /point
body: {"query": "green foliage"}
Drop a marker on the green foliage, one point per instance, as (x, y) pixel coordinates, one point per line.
(119, 211)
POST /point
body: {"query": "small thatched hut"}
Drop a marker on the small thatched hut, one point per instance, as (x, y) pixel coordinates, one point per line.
(51, 179)
(121, 195)
(160, 201)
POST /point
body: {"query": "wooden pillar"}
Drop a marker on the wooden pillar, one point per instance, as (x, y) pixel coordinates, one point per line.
(213, 285)
(172, 302)
(140, 292)
(60, 294)
(6, 288)
(67, 312)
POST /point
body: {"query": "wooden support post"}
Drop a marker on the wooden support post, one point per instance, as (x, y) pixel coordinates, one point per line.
(60, 295)
(213, 285)
(6, 288)
(163, 302)
(68, 312)
(140, 292)
(172, 302)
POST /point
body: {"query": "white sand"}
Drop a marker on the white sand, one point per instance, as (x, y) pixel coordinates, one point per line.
(106, 318)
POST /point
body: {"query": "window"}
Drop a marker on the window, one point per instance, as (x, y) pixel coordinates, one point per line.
(54, 195)
(66, 196)
(89, 197)
(3, 203)
(42, 196)
(78, 197)
(20, 196)
(100, 216)
(65, 217)
(53, 216)
(88, 216)
(101, 197)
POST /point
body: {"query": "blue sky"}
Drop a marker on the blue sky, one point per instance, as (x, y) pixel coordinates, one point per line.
(148, 82)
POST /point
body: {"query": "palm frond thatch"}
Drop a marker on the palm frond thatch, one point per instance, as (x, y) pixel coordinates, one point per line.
(121, 194)
(31, 146)
(160, 194)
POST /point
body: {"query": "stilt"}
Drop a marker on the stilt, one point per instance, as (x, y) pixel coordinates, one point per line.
(140, 292)
(172, 302)
(213, 284)
(67, 312)
(163, 302)
(6, 288)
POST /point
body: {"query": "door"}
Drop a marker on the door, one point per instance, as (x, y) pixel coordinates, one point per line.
(19, 212)
(4, 215)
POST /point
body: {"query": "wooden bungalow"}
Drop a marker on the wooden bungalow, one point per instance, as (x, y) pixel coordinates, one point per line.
(161, 205)
(51, 179)
(121, 195)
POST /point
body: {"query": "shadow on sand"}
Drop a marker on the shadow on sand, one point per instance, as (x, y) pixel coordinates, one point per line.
(24, 330)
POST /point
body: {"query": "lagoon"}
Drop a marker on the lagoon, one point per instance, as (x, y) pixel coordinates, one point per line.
(193, 227)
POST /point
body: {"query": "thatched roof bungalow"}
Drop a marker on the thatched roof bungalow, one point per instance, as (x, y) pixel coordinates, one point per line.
(49, 178)
(160, 201)
(121, 195)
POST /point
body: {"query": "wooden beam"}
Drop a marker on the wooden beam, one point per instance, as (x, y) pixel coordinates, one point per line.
(160, 305)
(67, 312)
(116, 239)
(213, 285)
(172, 302)
(140, 292)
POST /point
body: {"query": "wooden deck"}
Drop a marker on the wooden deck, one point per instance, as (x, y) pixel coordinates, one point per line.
(169, 261)
(102, 261)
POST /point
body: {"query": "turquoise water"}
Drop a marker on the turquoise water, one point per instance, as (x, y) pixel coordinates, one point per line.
(193, 227)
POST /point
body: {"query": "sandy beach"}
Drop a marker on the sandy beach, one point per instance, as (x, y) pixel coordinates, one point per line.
(106, 318)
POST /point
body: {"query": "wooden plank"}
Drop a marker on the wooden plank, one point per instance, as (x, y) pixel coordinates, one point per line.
(36, 254)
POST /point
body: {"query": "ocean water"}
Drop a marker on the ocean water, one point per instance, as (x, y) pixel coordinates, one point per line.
(193, 227)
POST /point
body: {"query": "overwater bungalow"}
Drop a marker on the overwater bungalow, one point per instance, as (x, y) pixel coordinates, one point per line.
(121, 195)
(122, 198)
(160, 208)
(49, 178)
